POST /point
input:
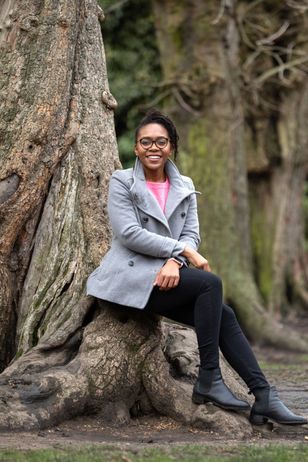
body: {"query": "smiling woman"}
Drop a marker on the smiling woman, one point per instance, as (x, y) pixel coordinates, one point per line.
(153, 213)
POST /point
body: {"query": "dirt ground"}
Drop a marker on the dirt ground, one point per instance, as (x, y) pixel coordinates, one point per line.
(288, 371)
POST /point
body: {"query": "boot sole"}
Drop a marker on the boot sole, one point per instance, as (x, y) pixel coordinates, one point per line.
(200, 399)
(257, 419)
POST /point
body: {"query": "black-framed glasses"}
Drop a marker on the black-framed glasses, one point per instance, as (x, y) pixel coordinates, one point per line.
(160, 142)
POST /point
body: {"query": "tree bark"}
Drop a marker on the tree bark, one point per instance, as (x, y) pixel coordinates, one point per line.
(203, 55)
(72, 354)
(54, 126)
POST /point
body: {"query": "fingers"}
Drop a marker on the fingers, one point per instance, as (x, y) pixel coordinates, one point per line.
(169, 283)
(160, 278)
(157, 280)
(200, 262)
(166, 282)
(206, 267)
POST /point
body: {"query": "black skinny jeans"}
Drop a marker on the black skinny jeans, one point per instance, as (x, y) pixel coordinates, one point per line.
(197, 302)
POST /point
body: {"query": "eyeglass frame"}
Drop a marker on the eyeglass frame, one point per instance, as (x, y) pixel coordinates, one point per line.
(154, 142)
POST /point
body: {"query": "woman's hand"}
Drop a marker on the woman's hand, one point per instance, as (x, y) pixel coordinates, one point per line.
(196, 259)
(168, 276)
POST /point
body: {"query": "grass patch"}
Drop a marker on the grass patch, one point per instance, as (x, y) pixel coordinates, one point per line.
(181, 453)
(277, 367)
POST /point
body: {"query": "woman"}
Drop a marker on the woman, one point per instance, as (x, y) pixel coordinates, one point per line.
(153, 214)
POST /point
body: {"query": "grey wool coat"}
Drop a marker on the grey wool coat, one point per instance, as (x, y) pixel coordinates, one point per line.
(144, 237)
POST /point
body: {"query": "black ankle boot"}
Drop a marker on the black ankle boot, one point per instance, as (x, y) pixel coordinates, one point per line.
(268, 406)
(210, 388)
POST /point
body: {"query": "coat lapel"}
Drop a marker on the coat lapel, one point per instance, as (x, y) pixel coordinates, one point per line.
(145, 200)
(178, 190)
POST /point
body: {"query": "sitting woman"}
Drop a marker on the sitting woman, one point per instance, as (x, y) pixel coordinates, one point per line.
(153, 214)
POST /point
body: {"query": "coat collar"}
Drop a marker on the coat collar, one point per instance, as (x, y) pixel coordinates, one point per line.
(145, 200)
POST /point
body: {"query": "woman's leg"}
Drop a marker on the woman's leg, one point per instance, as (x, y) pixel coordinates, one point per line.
(237, 351)
(196, 301)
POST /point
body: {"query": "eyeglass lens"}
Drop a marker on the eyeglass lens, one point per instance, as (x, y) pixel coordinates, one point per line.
(147, 143)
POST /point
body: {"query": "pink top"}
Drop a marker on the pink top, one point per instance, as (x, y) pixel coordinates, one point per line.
(160, 191)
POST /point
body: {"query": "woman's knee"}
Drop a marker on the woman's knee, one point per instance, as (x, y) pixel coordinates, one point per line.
(228, 312)
(211, 282)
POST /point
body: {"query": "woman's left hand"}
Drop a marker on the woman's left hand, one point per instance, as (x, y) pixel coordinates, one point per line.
(168, 276)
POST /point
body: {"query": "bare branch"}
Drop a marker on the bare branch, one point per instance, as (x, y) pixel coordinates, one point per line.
(251, 58)
(116, 6)
(302, 6)
(252, 5)
(158, 98)
(275, 36)
(245, 37)
(276, 70)
(221, 12)
(183, 103)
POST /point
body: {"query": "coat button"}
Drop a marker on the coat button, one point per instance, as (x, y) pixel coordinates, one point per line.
(145, 219)
(130, 263)
(183, 214)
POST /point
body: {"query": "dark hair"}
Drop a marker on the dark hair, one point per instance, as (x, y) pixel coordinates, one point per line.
(153, 116)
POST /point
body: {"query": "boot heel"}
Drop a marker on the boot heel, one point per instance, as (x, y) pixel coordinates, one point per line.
(256, 419)
(198, 399)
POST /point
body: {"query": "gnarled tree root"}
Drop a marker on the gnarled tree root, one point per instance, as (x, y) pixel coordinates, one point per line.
(125, 366)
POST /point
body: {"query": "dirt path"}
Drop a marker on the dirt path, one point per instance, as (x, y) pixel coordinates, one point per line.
(289, 372)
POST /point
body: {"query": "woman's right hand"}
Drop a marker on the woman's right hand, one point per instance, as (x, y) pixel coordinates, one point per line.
(196, 259)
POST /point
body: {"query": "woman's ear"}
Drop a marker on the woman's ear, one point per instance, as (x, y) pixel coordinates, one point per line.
(135, 150)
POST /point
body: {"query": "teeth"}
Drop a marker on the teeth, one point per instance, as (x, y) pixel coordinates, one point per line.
(154, 157)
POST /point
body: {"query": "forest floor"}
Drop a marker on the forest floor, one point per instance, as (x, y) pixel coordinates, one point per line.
(287, 370)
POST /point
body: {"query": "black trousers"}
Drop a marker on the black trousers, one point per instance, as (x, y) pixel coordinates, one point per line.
(197, 302)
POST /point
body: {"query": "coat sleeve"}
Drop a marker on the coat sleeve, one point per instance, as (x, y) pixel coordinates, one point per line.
(128, 230)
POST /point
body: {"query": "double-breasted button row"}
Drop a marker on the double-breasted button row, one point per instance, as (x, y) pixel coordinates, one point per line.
(131, 263)
(146, 219)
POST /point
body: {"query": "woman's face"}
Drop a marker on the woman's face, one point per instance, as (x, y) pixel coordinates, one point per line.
(153, 156)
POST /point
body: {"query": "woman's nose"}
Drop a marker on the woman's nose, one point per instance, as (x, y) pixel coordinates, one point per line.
(154, 148)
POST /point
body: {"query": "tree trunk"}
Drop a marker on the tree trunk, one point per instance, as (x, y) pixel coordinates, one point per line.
(54, 127)
(203, 55)
(72, 354)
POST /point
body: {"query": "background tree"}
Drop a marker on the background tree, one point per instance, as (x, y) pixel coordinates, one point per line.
(58, 149)
(237, 80)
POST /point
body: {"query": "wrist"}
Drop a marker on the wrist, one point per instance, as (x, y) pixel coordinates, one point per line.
(188, 252)
(178, 262)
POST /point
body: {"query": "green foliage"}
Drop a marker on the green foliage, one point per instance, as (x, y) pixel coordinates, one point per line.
(181, 453)
(133, 65)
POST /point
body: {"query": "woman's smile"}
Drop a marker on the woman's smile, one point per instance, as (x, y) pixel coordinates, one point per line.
(153, 157)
